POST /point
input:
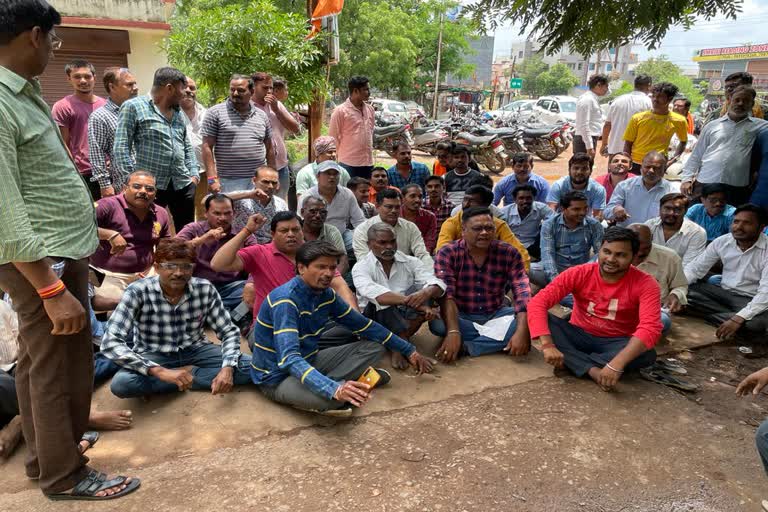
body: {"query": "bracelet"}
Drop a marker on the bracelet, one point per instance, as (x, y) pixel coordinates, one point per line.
(245, 228)
(52, 290)
(548, 345)
(608, 365)
(213, 179)
(114, 235)
(454, 330)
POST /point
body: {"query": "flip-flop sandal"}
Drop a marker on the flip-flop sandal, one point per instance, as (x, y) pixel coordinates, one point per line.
(86, 489)
(90, 437)
(665, 379)
(669, 367)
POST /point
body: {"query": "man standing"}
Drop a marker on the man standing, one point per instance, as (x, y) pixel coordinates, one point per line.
(207, 237)
(579, 171)
(436, 200)
(616, 319)
(618, 171)
(280, 120)
(130, 227)
(637, 199)
(522, 174)
(47, 232)
(723, 153)
(671, 229)
(121, 86)
(424, 219)
(352, 125)
(306, 178)
(525, 217)
(682, 106)
(406, 171)
(589, 116)
(195, 114)
(733, 81)
(714, 213)
(262, 199)
(237, 138)
(621, 111)
(153, 128)
(458, 179)
(71, 113)
(740, 302)
(652, 130)
(478, 271)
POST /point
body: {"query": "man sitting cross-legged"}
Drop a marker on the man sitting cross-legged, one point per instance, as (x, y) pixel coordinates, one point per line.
(478, 270)
(167, 315)
(616, 319)
(524, 216)
(394, 289)
(673, 230)
(287, 365)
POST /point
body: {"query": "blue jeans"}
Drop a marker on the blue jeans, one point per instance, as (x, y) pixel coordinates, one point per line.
(284, 175)
(473, 342)
(761, 439)
(235, 184)
(103, 368)
(231, 293)
(205, 359)
(666, 322)
(347, 236)
(584, 351)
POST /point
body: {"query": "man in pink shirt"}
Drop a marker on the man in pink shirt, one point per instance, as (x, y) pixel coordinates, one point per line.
(281, 120)
(616, 318)
(71, 114)
(352, 126)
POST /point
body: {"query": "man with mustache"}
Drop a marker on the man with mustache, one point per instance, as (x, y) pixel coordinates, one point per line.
(740, 303)
(522, 174)
(671, 229)
(394, 289)
(130, 227)
(637, 199)
(579, 171)
(262, 199)
(618, 171)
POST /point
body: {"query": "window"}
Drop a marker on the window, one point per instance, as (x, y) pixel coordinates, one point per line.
(520, 54)
(608, 67)
(581, 66)
(591, 66)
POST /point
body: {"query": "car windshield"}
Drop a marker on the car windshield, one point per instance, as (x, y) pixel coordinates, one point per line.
(568, 106)
(396, 107)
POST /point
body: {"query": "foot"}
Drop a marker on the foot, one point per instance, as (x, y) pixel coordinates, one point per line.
(765, 505)
(110, 420)
(125, 482)
(399, 362)
(10, 437)
(594, 374)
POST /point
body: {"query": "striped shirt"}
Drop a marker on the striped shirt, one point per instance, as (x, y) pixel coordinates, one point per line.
(162, 147)
(239, 147)
(244, 208)
(45, 207)
(101, 137)
(563, 247)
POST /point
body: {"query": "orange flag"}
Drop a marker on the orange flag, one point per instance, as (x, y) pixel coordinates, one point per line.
(324, 8)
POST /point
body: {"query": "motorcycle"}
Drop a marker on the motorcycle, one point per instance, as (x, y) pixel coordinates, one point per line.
(511, 137)
(427, 139)
(385, 137)
(543, 141)
(487, 150)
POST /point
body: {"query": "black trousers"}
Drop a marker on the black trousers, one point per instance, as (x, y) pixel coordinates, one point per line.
(717, 305)
(579, 146)
(9, 404)
(181, 203)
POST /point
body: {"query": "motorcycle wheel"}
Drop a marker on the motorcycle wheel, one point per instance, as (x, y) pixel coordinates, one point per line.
(495, 163)
(547, 153)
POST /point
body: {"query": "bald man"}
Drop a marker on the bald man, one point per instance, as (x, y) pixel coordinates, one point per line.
(666, 267)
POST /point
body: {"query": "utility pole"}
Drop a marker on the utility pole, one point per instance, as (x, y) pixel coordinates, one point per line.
(317, 106)
(437, 70)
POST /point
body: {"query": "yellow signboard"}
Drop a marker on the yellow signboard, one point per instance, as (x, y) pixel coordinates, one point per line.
(732, 56)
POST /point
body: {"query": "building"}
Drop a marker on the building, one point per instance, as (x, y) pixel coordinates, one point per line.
(717, 63)
(124, 33)
(482, 58)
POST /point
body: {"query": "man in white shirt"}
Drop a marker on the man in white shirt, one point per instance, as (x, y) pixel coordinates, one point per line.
(671, 229)
(740, 303)
(621, 111)
(394, 289)
(637, 199)
(589, 116)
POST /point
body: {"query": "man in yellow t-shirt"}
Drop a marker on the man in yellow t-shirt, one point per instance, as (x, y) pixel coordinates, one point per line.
(652, 130)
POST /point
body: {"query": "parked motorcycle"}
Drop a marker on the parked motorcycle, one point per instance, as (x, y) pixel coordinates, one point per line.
(544, 141)
(487, 150)
(427, 139)
(510, 136)
(385, 137)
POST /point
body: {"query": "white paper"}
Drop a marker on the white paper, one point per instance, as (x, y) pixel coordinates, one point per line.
(495, 329)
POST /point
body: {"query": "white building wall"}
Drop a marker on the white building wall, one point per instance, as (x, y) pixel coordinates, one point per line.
(146, 56)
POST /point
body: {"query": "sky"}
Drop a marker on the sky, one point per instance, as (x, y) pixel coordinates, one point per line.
(679, 45)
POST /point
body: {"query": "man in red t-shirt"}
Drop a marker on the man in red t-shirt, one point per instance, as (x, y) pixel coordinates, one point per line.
(616, 318)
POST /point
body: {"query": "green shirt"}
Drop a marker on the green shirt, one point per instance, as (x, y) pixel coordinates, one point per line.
(45, 206)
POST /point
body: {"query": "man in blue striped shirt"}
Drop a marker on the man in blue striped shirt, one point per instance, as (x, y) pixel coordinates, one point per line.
(287, 365)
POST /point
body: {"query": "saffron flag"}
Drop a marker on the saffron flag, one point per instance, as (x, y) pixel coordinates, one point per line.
(324, 9)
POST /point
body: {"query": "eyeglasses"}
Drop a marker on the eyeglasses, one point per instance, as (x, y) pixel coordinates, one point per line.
(139, 186)
(56, 42)
(186, 267)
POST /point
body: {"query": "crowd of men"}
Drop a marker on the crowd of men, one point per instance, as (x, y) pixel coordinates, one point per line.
(370, 256)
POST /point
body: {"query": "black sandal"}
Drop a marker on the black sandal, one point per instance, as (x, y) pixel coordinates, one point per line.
(87, 488)
(90, 437)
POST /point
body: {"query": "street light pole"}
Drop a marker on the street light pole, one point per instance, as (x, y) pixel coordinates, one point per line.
(437, 69)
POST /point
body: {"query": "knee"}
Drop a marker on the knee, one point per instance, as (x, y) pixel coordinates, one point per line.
(761, 438)
(123, 385)
(437, 327)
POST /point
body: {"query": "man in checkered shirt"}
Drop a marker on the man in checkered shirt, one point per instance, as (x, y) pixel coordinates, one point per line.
(165, 316)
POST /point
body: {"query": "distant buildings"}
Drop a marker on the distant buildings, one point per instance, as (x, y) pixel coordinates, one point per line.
(717, 63)
(482, 58)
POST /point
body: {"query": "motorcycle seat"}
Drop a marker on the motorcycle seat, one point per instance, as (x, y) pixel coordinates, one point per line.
(537, 132)
(422, 131)
(475, 139)
(387, 130)
(501, 132)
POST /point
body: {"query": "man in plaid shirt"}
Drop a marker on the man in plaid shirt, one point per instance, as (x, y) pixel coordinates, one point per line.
(165, 316)
(478, 272)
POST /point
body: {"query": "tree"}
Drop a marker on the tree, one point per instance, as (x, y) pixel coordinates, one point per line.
(210, 42)
(558, 80)
(587, 26)
(530, 71)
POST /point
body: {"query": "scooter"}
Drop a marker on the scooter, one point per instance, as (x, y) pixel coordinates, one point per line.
(487, 150)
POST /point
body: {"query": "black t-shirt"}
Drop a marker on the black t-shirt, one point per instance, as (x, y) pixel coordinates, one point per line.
(456, 185)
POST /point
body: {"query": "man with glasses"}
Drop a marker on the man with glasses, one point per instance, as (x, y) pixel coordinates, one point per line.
(733, 81)
(314, 212)
(714, 213)
(166, 316)
(130, 226)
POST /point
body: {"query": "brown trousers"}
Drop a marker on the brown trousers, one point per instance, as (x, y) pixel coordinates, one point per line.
(54, 381)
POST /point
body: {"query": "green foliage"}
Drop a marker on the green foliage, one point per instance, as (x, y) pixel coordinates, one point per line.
(558, 80)
(530, 70)
(212, 39)
(662, 70)
(587, 26)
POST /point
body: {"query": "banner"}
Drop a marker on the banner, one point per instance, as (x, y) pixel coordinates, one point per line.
(324, 9)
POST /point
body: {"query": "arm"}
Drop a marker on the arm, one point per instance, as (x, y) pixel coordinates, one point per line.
(208, 161)
(553, 293)
(682, 135)
(270, 151)
(699, 267)
(582, 122)
(678, 284)
(548, 250)
(372, 291)
(190, 160)
(605, 135)
(553, 196)
(630, 134)
(696, 246)
(505, 234)
(759, 302)
(334, 127)
(119, 329)
(449, 311)
(599, 205)
(693, 164)
(499, 190)
(125, 134)
(285, 117)
(226, 258)
(368, 329)
(343, 291)
(616, 202)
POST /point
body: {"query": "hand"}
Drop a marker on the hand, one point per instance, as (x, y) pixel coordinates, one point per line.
(182, 377)
(591, 153)
(415, 300)
(107, 191)
(353, 392)
(604, 150)
(255, 222)
(421, 363)
(118, 245)
(553, 356)
(673, 303)
(672, 160)
(66, 313)
(195, 179)
(519, 344)
(449, 350)
(609, 378)
(212, 235)
(214, 187)
(727, 329)
(270, 99)
(686, 188)
(260, 196)
(249, 294)
(754, 382)
(620, 214)
(223, 382)
(429, 313)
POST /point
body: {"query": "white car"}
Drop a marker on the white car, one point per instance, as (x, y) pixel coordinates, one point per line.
(523, 106)
(391, 108)
(552, 109)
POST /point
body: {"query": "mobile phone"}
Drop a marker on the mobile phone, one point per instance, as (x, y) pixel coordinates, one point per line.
(370, 376)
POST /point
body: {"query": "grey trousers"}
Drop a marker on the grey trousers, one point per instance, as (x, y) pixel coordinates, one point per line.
(345, 362)
(717, 305)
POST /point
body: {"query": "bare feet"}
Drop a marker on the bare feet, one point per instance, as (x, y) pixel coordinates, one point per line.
(399, 362)
(110, 420)
(105, 492)
(594, 374)
(10, 437)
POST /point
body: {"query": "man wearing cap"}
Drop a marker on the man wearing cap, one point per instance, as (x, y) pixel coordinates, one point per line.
(325, 149)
